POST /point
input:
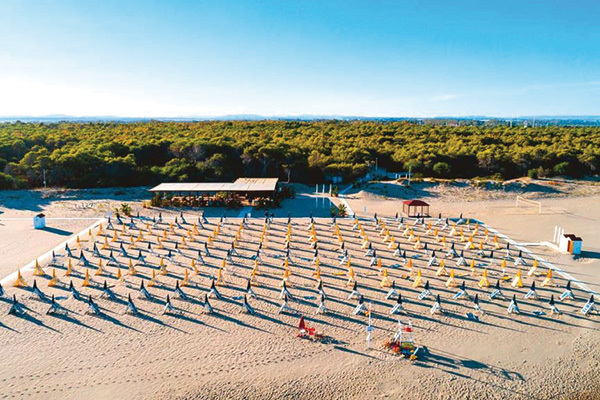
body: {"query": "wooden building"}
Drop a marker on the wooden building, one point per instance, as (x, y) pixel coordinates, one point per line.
(244, 189)
(415, 208)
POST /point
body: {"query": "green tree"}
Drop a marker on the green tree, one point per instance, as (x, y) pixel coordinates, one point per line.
(442, 169)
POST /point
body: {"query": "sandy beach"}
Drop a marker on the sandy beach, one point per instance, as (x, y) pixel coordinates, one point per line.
(303, 200)
(232, 354)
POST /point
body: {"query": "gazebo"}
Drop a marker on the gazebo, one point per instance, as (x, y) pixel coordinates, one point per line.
(414, 208)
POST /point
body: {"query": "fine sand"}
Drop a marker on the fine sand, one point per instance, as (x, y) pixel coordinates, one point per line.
(230, 354)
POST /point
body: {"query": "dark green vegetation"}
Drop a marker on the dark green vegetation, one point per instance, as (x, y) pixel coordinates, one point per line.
(126, 154)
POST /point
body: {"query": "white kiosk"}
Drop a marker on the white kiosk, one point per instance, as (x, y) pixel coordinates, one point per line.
(39, 221)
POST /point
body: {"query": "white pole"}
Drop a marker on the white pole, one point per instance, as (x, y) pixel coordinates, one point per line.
(369, 328)
(317, 188)
(558, 235)
(562, 233)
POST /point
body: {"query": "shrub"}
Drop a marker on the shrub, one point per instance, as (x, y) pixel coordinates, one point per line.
(561, 168)
(157, 200)
(335, 191)
(533, 173)
(441, 169)
(6, 181)
(333, 210)
(126, 209)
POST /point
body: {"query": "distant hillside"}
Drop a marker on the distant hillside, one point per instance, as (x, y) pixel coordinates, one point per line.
(144, 153)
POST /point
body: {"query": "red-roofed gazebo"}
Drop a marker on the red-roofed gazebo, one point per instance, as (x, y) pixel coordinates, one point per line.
(414, 208)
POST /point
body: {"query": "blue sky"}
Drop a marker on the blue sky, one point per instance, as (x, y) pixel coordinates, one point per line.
(363, 58)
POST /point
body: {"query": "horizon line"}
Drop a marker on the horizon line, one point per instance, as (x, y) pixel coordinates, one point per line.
(230, 117)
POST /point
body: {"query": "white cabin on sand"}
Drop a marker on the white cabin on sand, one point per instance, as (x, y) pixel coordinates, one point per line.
(570, 243)
(39, 221)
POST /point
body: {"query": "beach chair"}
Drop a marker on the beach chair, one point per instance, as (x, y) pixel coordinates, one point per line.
(462, 292)
(208, 309)
(532, 293)
(179, 293)
(360, 307)
(246, 307)
(214, 292)
(355, 293)
(249, 290)
(107, 292)
(285, 293)
(143, 292)
(476, 305)
(321, 308)
(285, 308)
(426, 293)
(392, 292)
(320, 289)
(398, 307)
(513, 307)
(568, 293)
(496, 293)
(437, 307)
(55, 308)
(37, 294)
(589, 307)
(16, 308)
(552, 306)
(130, 307)
(93, 308)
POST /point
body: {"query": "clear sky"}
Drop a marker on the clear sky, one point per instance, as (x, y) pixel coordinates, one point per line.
(290, 57)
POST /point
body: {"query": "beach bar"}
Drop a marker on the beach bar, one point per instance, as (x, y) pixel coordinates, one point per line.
(244, 188)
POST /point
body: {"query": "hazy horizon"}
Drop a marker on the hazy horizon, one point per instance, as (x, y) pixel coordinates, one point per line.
(307, 117)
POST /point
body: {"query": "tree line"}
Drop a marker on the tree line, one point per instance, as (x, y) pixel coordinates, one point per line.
(147, 153)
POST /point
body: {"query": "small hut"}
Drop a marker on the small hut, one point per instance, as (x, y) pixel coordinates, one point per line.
(415, 208)
(39, 221)
(570, 243)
